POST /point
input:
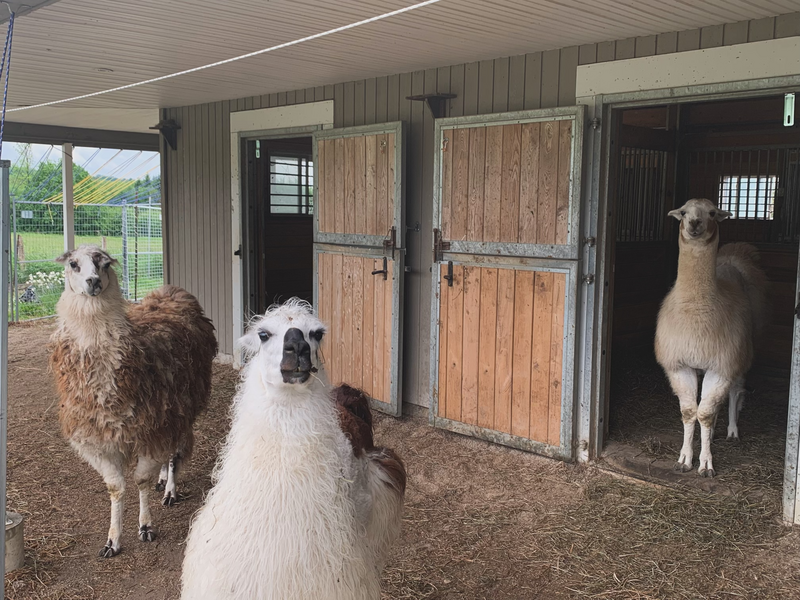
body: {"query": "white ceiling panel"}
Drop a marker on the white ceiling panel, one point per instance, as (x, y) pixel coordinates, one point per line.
(73, 47)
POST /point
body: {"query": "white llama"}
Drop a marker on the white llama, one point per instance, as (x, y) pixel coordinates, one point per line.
(708, 322)
(304, 507)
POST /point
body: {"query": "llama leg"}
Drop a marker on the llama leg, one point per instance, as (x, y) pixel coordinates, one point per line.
(736, 399)
(684, 384)
(171, 489)
(715, 389)
(111, 466)
(146, 469)
(162, 478)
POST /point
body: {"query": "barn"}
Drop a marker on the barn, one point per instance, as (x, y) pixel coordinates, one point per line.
(473, 195)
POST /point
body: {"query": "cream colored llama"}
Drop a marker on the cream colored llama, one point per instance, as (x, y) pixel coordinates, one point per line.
(708, 323)
(304, 507)
(131, 379)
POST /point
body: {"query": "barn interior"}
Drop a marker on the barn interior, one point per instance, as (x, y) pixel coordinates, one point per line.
(740, 155)
(280, 227)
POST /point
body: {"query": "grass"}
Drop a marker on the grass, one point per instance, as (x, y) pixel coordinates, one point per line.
(144, 276)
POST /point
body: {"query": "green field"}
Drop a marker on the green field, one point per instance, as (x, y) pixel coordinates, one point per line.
(145, 271)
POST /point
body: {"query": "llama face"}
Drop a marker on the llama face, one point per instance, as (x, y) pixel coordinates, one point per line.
(86, 270)
(699, 218)
(284, 344)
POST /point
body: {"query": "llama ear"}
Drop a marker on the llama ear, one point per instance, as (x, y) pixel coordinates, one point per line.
(103, 259)
(249, 344)
(722, 215)
(64, 257)
(675, 213)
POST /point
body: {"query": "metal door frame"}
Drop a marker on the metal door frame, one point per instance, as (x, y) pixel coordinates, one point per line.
(593, 362)
(563, 258)
(371, 246)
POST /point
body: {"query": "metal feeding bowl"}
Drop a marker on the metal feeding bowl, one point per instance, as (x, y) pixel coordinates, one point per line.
(15, 542)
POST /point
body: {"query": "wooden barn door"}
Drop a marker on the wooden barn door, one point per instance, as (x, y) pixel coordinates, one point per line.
(358, 257)
(505, 277)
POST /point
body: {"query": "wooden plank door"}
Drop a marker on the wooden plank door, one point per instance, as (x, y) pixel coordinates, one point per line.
(505, 282)
(358, 257)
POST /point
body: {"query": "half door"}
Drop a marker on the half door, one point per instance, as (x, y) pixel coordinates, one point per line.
(505, 277)
(358, 257)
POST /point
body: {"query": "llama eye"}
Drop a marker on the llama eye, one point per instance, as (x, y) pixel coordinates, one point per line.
(712, 214)
(73, 264)
(683, 213)
(317, 335)
(264, 336)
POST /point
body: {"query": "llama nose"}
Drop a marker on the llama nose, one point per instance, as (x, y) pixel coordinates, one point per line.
(694, 224)
(296, 351)
(94, 283)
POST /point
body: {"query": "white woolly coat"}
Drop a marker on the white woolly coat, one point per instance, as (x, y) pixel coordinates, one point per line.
(290, 516)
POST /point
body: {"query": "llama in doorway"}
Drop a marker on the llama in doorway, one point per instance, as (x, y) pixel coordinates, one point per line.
(708, 323)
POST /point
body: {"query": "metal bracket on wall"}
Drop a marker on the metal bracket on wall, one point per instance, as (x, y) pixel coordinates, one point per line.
(437, 102)
(588, 279)
(169, 129)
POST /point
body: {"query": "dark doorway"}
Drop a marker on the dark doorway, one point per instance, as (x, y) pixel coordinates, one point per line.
(739, 155)
(281, 225)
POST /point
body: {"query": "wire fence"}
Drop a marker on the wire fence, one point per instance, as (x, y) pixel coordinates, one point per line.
(131, 233)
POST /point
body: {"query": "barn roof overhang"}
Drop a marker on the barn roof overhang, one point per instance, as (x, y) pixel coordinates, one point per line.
(68, 48)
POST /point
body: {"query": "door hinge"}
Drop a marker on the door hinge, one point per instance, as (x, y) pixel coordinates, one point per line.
(238, 252)
(439, 246)
(595, 122)
(588, 279)
(590, 241)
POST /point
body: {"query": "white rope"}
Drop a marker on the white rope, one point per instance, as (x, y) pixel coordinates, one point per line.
(235, 58)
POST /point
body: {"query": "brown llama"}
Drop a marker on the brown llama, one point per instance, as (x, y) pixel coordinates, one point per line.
(131, 378)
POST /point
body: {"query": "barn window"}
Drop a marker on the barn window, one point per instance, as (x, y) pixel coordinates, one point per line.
(748, 197)
(291, 189)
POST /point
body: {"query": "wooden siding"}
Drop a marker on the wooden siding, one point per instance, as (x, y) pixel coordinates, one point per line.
(501, 347)
(197, 175)
(356, 306)
(356, 184)
(507, 183)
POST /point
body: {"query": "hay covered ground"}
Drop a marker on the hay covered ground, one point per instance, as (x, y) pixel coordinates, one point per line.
(482, 521)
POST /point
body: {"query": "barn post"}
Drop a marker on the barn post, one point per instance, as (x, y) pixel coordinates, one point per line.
(69, 206)
(125, 281)
(5, 242)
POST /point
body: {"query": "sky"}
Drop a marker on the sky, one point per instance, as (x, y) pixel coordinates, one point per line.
(127, 164)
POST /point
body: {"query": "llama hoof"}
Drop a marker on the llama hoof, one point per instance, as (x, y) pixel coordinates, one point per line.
(682, 467)
(707, 473)
(161, 485)
(146, 533)
(733, 437)
(170, 498)
(108, 551)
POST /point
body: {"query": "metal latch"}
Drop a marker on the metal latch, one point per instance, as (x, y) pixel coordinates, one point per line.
(590, 241)
(390, 242)
(384, 271)
(439, 246)
(449, 276)
(595, 122)
(589, 278)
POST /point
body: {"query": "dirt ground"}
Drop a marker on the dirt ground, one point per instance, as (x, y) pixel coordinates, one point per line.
(482, 521)
(645, 417)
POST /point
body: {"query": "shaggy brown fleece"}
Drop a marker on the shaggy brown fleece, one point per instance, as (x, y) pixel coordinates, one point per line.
(161, 384)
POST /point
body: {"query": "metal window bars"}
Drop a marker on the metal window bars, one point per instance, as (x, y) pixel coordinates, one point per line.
(291, 181)
(641, 194)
